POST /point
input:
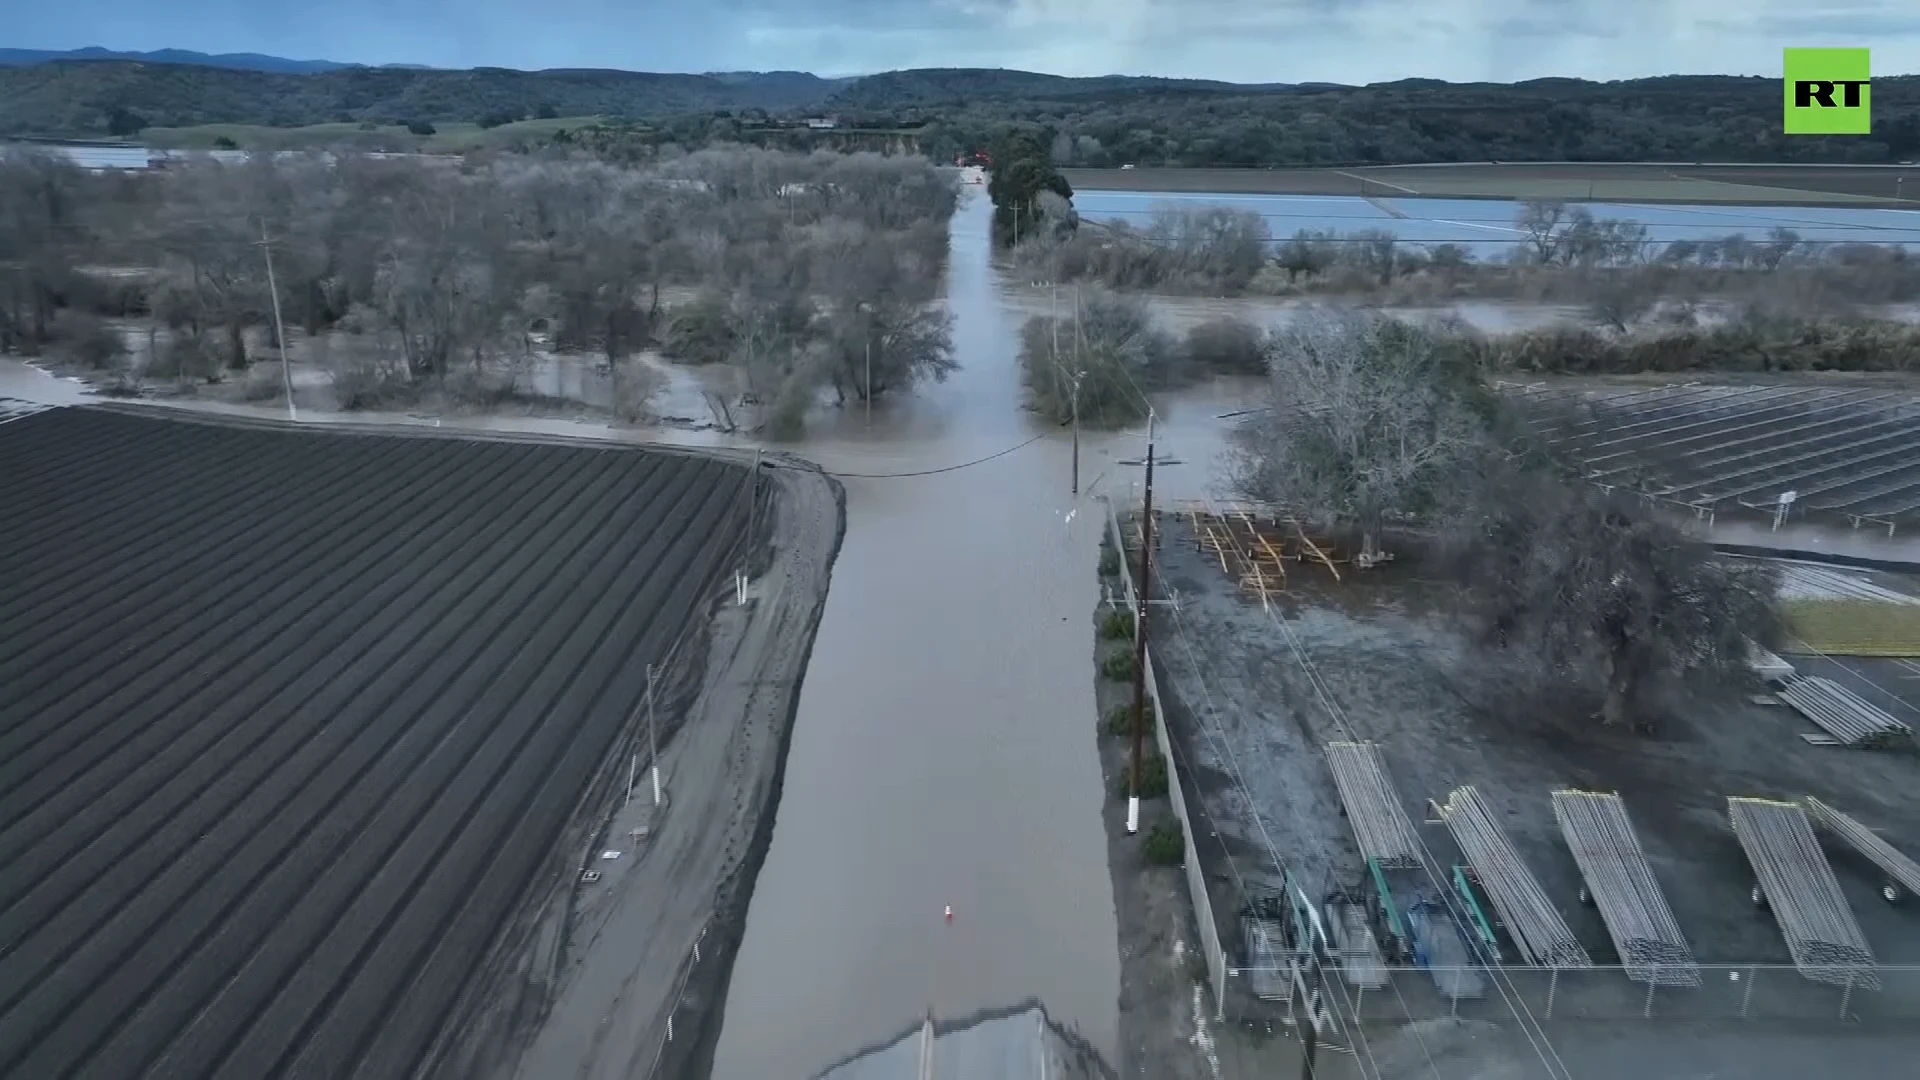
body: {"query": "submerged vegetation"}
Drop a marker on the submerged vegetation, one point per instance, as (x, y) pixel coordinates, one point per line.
(810, 272)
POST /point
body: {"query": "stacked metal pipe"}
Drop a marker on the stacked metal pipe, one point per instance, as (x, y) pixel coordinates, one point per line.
(1844, 714)
(1379, 820)
(1623, 887)
(1795, 880)
(1904, 871)
(1532, 921)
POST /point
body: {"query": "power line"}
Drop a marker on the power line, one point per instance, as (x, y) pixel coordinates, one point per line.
(920, 472)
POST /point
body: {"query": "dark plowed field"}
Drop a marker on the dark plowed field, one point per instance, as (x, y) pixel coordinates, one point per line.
(288, 721)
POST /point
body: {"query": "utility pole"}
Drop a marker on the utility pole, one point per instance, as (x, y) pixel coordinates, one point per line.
(1077, 376)
(1140, 637)
(869, 382)
(1053, 320)
(653, 746)
(279, 329)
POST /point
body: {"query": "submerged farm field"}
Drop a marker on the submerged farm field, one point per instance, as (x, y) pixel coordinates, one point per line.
(290, 720)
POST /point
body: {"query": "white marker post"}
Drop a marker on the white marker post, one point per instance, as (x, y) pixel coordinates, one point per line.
(653, 747)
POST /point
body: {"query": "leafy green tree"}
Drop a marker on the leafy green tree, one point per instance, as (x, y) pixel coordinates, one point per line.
(1022, 169)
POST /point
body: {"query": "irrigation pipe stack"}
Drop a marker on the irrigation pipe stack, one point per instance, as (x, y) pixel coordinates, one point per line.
(1795, 880)
(1532, 920)
(1622, 885)
(1379, 820)
(1904, 871)
(1844, 714)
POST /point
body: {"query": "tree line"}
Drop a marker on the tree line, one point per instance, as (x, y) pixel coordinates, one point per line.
(1100, 122)
(1610, 266)
(416, 275)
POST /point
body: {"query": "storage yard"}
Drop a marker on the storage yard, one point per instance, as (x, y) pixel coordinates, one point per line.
(301, 733)
(1604, 874)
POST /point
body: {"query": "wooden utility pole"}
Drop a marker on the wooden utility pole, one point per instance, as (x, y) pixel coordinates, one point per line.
(1140, 637)
(869, 382)
(1076, 430)
(1053, 320)
(279, 329)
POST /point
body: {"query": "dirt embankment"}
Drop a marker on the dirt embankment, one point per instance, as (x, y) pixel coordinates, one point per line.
(594, 976)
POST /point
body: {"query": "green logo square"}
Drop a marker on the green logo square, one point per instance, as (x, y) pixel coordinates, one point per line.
(1827, 92)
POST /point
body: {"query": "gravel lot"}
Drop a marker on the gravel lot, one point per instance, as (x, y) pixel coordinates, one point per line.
(1393, 666)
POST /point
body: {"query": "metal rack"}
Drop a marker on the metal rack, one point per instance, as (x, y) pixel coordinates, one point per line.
(1531, 919)
(1621, 884)
(1798, 884)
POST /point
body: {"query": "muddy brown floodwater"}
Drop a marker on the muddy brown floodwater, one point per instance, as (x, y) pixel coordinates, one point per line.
(941, 754)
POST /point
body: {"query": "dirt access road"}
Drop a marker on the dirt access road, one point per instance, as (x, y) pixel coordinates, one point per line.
(629, 960)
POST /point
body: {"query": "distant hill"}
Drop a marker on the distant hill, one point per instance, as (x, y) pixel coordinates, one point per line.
(77, 97)
(238, 61)
(1093, 122)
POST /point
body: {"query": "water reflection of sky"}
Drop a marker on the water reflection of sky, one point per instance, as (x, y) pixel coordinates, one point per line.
(1488, 225)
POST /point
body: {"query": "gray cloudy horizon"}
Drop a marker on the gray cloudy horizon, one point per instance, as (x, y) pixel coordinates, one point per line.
(1349, 41)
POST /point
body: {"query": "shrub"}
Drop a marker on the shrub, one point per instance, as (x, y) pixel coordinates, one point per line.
(1153, 778)
(634, 384)
(93, 343)
(265, 382)
(1164, 845)
(1227, 346)
(1117, 625)
(420, 127)
(1109, 562)
(702, 331)
(1118, 666)
(1120, 718)
(365, 383)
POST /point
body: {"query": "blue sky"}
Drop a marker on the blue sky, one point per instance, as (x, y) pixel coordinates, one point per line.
(1241, 40)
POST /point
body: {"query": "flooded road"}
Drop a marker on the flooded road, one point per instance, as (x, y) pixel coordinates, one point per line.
(943, 752)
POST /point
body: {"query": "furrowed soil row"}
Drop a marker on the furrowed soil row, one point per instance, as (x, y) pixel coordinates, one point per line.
(323, 933)
(372, 767)
(172, 756)
(194, 616)
(90, 451)
(270, 846)
(511, 838)
(43, 475)
(257, 529)
(303, 775)
(104, 558)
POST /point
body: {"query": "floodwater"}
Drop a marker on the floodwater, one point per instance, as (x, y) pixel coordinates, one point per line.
(1488, 226)
(943, 753)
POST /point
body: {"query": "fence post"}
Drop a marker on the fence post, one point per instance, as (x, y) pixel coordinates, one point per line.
(1653, 980)
(1553, 984)
(1753, 973)
(1846, 996)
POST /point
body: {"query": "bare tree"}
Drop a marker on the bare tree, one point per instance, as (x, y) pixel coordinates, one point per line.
(1370, 419)
(1542, 221)
(1621, 298)
(1600, 585)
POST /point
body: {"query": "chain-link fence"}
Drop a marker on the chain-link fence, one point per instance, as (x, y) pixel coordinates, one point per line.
(1209, 932)
(1756, 992)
